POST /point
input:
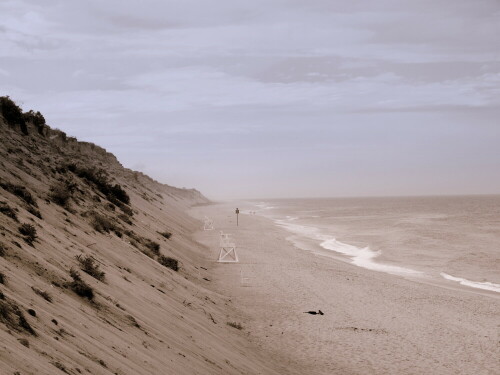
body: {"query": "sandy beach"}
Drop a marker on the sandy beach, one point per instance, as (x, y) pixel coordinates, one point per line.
(373, 323)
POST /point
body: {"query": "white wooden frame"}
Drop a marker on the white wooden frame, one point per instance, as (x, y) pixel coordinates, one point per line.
(227, 253)
(209, 224)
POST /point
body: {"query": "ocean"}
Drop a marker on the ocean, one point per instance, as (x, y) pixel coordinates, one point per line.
(451, 240)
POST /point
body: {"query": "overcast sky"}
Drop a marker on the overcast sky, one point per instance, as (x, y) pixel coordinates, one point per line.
(273, 98)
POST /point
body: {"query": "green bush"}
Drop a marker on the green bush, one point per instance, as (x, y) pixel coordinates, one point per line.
(169, 262)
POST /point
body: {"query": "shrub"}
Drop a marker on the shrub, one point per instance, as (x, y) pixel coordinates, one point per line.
(99, 178)
(36, 118)
(46, 296)
(89, 266)
(126, 210)
(29, 233)
(133, 321)
(125, 219)
(169, 262)
(12, 113)
(148, 247)
(119, 193)
(235, 325)
(8, 211)
(3, 249)
(32, 210)
(167, 235)
(62, 192)
(2, 278)
(153, 246)
(24, 342)
(24, 324)
(13, 317)
(101, 223)
(79, 286)
(19, 191)
(60, 366)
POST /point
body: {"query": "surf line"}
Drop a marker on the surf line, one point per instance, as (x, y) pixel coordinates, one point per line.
(361, 257)
(486, 285)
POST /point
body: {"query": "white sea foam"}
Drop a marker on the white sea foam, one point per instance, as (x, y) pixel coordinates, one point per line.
(264, 206)
(473, 284)
(362, 257)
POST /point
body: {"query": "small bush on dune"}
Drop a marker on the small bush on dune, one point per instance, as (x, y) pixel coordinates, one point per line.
(125, 219)
(79, 286)
(150, 248)
(154, 247)
(46, 296)
(12, 316)
(167, 235)
(29, 233)
(119, 193)
(169, 262)
(19, 191)
(126, 209)
(62, 192)
(3, 249)
(11, 112)
(102, 224)
(235, 325)
(89, 266)
(36, 118)
(32, 210)
(8, 211)
(100, 179)
(2, 278)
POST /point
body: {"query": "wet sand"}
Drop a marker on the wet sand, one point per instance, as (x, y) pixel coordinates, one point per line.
(373, 323)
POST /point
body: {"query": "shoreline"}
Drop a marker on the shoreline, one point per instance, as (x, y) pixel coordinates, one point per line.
(374, 323)
(313, 239)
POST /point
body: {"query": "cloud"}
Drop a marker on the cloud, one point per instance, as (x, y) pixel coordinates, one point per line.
(193, 79)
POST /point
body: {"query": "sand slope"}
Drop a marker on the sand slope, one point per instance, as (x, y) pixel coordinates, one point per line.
(145, 318)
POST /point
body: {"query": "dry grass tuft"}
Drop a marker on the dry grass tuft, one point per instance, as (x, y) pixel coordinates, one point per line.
(88, 265)
(235, 325)
(169, 262)
(79, 286)
(29, 233)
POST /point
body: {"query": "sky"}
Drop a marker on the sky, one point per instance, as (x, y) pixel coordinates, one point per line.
(270, 99)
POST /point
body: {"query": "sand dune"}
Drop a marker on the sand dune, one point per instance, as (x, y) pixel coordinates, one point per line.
(144, 318)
